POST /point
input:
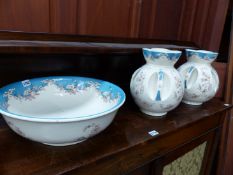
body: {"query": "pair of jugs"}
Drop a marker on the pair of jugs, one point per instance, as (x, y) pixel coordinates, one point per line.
(157, 87)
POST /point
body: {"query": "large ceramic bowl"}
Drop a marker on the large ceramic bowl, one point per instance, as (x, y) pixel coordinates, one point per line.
(60, 111)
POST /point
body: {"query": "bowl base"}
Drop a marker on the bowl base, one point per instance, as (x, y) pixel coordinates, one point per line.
(63, 144)
(155, 114)
(191, 103)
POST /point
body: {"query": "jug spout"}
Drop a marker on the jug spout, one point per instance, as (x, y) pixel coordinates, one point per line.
(201, 56)
(161, 56)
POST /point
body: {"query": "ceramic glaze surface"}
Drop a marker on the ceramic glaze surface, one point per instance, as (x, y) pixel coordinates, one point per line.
(157, 86)
(200, 78)
(60, 110)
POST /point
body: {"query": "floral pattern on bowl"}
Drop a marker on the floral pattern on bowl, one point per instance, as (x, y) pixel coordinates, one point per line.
(33, 88)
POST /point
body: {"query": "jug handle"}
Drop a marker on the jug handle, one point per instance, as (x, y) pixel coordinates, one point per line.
(215, 79)
(188, 76)
(158, 95)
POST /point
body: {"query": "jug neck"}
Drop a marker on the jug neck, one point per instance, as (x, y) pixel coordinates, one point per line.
(161, 62)
(201, 56)
(162, 57)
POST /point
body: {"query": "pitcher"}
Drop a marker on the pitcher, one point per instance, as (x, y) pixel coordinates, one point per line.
(200, 78)
(157, 86)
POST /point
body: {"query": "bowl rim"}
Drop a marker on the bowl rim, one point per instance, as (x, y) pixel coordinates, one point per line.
(69, 119)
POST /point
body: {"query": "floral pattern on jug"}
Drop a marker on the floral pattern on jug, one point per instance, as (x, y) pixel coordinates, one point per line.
(157, 86)
(200, 78)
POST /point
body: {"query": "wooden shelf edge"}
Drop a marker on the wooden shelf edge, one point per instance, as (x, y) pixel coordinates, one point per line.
(20, 43)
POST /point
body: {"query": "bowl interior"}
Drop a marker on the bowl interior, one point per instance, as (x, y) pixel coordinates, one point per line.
(60, 97)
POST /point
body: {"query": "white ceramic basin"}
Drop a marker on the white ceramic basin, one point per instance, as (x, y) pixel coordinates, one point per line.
(60, 111)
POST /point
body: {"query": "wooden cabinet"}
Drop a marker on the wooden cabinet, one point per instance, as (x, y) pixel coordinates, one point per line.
(193, 158)
(198, 21)
(126, 146)
(187, 142)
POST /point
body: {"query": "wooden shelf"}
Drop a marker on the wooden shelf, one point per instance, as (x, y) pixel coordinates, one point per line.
(122, 147)
(17, 46)
(24, 43)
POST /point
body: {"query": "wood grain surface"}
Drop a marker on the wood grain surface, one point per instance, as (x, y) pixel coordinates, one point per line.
(125, 145)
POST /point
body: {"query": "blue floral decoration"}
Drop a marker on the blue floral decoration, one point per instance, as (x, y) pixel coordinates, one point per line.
(202, 54)
(154, 55)
(146, 53)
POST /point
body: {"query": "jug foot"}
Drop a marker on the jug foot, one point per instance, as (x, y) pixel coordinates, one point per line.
(191, 103)
(156, 114)
(63, 144)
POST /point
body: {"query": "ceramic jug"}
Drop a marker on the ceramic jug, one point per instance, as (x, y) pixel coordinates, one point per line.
(157, 86)
(200, 78)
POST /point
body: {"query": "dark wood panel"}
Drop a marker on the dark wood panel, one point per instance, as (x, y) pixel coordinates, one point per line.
(162, 19)
(199, 21)
(202, 22)
(187, 18)
(199, 25)
(214, 25)
(147, 19)
(24, 15)
(119, 18)
(63, 16)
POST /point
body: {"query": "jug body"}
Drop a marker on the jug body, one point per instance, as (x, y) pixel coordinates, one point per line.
(201, 81)
(157, 86)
